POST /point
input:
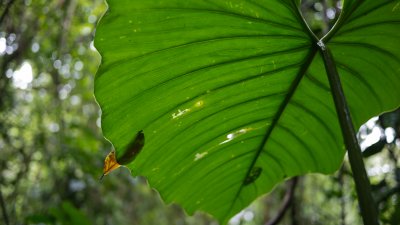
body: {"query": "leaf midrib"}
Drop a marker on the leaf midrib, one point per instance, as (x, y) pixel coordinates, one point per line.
(276, 118)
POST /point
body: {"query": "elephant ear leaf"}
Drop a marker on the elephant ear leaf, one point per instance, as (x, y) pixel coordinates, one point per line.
(233, 95)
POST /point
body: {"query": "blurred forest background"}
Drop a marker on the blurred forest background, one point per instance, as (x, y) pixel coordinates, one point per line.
(52, 149)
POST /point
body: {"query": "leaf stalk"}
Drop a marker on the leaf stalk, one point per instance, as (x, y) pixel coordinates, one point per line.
(368, 208)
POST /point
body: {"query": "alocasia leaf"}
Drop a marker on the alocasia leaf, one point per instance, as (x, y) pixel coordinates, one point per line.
(232, 96)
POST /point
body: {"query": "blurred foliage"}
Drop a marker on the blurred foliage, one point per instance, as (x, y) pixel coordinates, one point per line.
(50, 140)
(52, 150)
(321, 15)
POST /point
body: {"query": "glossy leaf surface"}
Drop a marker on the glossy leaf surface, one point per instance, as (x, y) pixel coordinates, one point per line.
(232, 96)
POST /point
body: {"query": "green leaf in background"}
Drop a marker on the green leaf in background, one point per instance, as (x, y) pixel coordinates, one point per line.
(232, 96)
(65, 214)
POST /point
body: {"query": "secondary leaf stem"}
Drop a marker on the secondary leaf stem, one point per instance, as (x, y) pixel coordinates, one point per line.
(287, 202)
(368, 208)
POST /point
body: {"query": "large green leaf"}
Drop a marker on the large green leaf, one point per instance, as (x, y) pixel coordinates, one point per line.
(232, 96)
